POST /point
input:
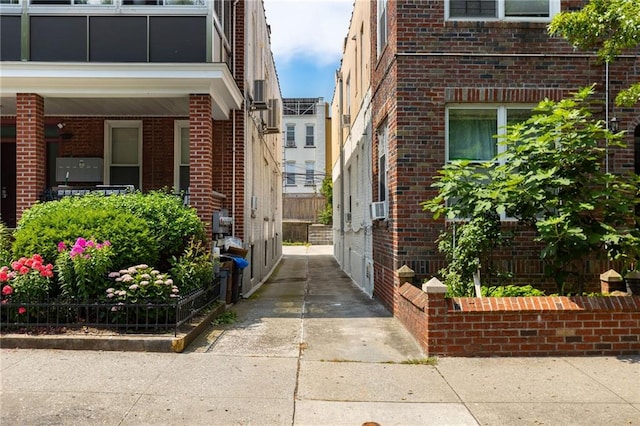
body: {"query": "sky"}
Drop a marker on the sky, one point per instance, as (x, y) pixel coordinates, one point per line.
(306, 41)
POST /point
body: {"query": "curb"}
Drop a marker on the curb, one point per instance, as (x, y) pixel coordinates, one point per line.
(125, 343)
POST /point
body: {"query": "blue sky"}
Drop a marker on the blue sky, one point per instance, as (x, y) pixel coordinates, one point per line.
(306, 41)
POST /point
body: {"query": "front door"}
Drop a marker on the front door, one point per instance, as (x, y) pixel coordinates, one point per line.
(8, 184)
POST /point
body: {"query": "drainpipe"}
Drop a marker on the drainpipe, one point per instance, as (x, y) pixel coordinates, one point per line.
(341, 142)
(233, 126)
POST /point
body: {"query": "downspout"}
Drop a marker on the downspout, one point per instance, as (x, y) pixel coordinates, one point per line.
(341, 142)
(606, 115)
(233, 126)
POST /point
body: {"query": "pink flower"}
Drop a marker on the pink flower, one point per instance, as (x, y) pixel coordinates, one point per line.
(62, 246)
(81, 242)
(24, 270)
(7, 290)
(22, 310)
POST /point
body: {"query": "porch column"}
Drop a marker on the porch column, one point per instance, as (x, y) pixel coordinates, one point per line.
(30, 150)
(201, 157)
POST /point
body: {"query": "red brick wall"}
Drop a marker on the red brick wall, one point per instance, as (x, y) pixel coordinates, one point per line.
(201, 156)
(429, 63)
(30, 150)
(521, 326)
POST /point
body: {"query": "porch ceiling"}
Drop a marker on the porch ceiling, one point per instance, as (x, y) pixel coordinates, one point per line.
(119, 89)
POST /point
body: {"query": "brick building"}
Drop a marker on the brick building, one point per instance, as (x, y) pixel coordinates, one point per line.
(152, 94)
(439, 66)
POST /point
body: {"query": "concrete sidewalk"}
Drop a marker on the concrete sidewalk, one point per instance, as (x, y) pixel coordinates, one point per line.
(309, 348)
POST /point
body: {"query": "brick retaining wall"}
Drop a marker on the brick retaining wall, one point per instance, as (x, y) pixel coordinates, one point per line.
(520, 326)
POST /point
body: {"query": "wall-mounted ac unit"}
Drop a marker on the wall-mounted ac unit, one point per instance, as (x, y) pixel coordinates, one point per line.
(379, 210)
(273, 116)
(259, 95)
(345, 120)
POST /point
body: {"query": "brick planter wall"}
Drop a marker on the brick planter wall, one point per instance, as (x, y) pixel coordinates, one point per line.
(521, 326)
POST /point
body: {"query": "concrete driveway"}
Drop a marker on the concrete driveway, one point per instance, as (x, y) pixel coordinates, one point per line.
(309, 348)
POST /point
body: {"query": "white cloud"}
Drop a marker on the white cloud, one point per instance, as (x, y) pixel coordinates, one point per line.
(312, 28)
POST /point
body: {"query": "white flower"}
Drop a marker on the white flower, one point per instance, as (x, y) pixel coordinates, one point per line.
(114, 274)
(133, 287)
(110, 290)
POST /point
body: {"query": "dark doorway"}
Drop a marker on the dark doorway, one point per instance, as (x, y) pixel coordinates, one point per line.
(636, 162)
(8, 183)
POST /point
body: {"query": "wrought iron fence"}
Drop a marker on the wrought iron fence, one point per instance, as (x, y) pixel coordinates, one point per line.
(16, 315)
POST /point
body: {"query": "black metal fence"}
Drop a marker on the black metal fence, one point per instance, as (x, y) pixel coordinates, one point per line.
(57, 313)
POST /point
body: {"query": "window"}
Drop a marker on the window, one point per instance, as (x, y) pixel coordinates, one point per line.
(310, 141)
(383, 146)
(290, 138)
(382, 25)
(503, 9)
(290, 173)
(309, 177)
(123, 153)
(181, 155)
(471, 130)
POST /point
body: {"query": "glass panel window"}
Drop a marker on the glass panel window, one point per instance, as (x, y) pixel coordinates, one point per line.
(310, 136)
(535, 8)
(502, 9)
(383, 136)
(290, 140)
(473, 8)
(290, 173)
(382, 25)
(309, 173)
(181, 166)
(471, 134)
(124, 143)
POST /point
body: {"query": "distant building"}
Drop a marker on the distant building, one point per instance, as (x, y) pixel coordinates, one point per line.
(304, 128)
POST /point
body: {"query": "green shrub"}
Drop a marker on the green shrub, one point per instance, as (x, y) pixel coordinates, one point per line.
(193, 269)
(5, 244)
(47, 224)
(511, 291)
(170, 222)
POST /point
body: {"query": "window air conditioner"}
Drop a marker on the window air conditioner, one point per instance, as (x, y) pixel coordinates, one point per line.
(379, 210)
(346, 120)
(273, 116)
(259, 95)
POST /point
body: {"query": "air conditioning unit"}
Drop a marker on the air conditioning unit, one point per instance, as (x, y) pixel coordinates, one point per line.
(347, 217)
(259, 95)
(345, 120)
(379, 210)
(273, 116)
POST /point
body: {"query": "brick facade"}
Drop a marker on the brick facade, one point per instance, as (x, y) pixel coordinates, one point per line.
(30, 150)
(521, 326)
(428, 64)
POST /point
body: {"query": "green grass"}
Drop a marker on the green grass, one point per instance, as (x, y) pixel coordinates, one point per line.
(227, 317)
(422, 361)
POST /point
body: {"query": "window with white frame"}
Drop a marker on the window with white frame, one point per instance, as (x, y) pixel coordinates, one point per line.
(471, 129)
(123, 152)
(181, 155)
(502, 9)
(310, 136)
(309, 177)
(383, 146)
(290, 137)
(290, 173)
(382, 25)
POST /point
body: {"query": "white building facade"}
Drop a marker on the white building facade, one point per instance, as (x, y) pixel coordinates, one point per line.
(352, 154)
(304, 137)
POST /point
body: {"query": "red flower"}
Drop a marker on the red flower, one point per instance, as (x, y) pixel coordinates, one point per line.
(24, 270)
(22, 310)
(7, 290)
